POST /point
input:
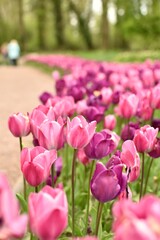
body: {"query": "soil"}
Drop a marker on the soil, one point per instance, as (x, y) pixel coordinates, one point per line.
(19, 92)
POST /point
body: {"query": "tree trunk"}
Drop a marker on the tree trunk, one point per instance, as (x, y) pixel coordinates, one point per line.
(83, 26)
(59, 27)
(105, 25)
(155, 7)
(41, 23)
(21, 24)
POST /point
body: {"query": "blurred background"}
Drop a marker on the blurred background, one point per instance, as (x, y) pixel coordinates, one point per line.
(50, 25)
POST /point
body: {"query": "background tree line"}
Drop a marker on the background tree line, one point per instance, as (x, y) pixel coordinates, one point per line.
(74, 24)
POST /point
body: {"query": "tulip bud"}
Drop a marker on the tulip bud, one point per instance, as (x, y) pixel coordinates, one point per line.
(19, 125)
(48, 213)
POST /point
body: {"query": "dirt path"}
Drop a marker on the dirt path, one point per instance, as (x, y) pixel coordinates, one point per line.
(19, 91)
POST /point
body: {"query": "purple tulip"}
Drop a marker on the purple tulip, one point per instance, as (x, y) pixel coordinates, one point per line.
(57, 171)
(101, 145)
(156, 123)
(128, 131)
(115, 97)
(155, 153)
(108, 183)
(92, 113)
(114, 160)
(94, 100)
(60, 85)
(44, 97)
(58, 166)
(35, 142)
(77, 92)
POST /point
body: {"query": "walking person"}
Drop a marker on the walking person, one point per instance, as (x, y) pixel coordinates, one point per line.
(13, 52)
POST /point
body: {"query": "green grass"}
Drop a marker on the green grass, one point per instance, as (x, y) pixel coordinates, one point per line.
(118, 56)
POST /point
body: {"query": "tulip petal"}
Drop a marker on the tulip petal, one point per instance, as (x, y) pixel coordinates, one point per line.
(78, 137)
(103, 149)
(55, 223)
(105, 187)
(99, 168)
(18, 226)
(34, 174)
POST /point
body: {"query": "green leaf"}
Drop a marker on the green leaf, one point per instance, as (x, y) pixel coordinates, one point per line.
(23, 203)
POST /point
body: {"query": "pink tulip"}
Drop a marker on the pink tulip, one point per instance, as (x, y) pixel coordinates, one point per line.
(82, 157)
(51, 134)
(114, 78)
(19, 125)
(36, 164)
(155, 97)
(65, 107)
(157, 74)
(127, 106)
(81, 106)
(130, 157)
(126, 194)
(52, 101)
(48, 213)
(38, 116)
(13, 225)
(106, 94)
(139, 221)
(110, 122)
(79, 131)
(56, 75)
(145, 138)
(145, 110)
(135, 84)
(147, 78)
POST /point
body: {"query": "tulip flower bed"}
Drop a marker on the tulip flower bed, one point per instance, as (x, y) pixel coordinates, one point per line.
(92, 171)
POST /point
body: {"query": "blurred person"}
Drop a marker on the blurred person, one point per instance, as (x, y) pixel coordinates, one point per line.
(13, 52)
(4, 52)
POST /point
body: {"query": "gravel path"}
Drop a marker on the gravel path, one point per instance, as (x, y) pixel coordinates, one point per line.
(19, 92)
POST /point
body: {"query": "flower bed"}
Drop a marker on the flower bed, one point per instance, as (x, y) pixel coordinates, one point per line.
(91, 172)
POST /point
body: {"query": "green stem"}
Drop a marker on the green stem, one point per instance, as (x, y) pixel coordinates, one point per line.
(152, 116)
(20, 143)
(36, 189)
(72, 183)
(24, 180)
(66, 160)
(147, 177)
(52, 174)
(88, 194)
(31, 236)
(99, 213)
(142, 176)
(24, 188)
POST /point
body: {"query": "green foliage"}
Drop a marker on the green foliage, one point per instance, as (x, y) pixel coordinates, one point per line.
(73, 24)
(142, 32)
(23, 203)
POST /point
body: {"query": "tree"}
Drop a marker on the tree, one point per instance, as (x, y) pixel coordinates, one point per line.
(83, 25)
(105, 24)
(41, 22)
(58, 22)
(21, 24)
